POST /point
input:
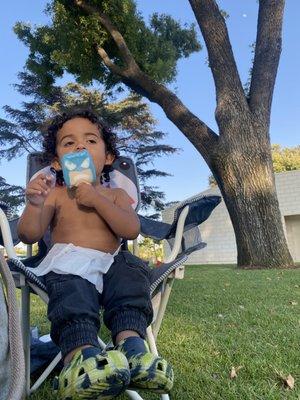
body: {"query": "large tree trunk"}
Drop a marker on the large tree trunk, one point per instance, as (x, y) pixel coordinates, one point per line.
(246, 181)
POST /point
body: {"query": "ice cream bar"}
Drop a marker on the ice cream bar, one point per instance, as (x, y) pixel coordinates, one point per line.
(78, 167)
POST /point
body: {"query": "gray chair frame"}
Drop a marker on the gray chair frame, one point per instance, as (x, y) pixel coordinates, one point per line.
(172, 269)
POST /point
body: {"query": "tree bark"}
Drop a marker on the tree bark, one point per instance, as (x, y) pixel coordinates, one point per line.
(246, 181)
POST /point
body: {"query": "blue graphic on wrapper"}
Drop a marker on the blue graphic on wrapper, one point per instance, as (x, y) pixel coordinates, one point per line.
(78, 167)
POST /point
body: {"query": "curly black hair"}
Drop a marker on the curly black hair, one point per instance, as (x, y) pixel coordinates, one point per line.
(50, 133)
(49, 143)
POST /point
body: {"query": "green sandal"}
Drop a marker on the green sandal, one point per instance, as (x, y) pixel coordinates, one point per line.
(104, 375)
(149, 371)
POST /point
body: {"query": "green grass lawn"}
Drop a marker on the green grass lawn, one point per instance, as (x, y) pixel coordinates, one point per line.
(219, 317)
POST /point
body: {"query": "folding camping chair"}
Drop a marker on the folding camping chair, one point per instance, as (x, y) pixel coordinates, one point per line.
(182, 234)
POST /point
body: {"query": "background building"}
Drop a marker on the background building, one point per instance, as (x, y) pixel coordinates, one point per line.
(218, 232)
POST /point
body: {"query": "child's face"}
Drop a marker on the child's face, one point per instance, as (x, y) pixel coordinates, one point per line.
(78, 134)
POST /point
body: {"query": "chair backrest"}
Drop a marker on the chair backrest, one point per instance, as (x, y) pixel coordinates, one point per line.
(123, 175)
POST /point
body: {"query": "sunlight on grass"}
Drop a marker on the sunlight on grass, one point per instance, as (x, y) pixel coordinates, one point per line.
(219, 317)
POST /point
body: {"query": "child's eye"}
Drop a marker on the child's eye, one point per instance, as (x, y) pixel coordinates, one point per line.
(92, 141)
(68, 144)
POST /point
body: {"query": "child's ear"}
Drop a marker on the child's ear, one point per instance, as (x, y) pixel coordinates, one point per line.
(56, 164)
(110, 158)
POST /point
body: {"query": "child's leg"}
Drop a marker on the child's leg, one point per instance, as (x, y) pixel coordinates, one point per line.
(73, 310)
(127, 313)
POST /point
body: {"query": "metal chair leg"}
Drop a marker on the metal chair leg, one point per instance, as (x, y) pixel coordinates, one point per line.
(25, 325)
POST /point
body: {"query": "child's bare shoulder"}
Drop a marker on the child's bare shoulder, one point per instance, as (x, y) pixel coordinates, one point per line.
(116, 192)
(122, 198)
(118, 195)
(110, 193)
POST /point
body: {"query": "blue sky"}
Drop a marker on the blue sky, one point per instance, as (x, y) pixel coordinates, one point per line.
(194, 84)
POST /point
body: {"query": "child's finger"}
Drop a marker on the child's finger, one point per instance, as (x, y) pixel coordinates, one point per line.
(42, 187)
(32, 191)
(38, 184)
(43, 184)
(40, 176)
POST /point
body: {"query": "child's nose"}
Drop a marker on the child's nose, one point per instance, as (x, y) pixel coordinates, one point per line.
(80, 146)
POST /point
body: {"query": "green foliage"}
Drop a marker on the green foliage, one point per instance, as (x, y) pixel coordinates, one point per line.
(40, 45)
(130, 118)
(151, 250)
(69, 42)
(12, 195)
(285, 158)
(247, 84)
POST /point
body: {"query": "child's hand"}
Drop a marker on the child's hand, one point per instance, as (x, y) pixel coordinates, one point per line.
(38, 189)
(86, 195)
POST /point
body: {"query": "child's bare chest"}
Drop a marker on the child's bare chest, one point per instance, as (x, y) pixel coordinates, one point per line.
(70, 215)
(82, 226)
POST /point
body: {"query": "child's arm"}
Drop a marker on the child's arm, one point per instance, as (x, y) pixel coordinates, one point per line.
(118, 214)
(39, 210)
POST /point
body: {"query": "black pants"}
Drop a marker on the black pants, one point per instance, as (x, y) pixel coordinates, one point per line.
(74, 303)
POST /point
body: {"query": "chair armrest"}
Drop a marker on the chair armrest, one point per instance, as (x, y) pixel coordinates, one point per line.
(178, 235)
(12, 224)
(200, 208)
(188, 215)
(6, 238)
(156, 230)
(9, 238)
(159, 274)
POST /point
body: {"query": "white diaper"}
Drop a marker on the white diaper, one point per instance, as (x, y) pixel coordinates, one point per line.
(66, 258)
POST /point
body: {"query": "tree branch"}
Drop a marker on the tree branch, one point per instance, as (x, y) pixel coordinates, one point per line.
(23, 141)
(196, 131)
(115, 34)
(266, 59)
(221, 59)
(109, 63)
